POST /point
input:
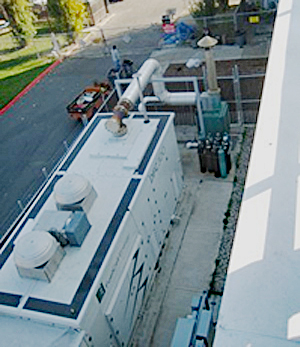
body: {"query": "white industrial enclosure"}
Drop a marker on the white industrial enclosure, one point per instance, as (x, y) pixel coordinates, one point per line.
(261, 301)
(76, 268)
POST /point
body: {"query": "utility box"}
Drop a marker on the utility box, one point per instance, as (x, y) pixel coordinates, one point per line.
(73, 226)
(76, 228)
(217, 120)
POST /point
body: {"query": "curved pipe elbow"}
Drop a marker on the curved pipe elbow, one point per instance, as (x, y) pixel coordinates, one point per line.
(132, 93)
(172, 98)
(147, 99)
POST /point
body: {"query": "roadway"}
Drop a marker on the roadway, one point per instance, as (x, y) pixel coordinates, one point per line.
(32, 133)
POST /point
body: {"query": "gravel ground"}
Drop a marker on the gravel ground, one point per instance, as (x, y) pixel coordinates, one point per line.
(232, 213)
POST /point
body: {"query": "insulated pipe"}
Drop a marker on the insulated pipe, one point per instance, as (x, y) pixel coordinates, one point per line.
(147, 99)
(130, 97)
(179, 98)
(131, 94)
(211, 71)
(175, 98)
(151, 68)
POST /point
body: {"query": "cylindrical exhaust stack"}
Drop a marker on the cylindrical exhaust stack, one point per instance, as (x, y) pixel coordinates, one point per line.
(208, 43)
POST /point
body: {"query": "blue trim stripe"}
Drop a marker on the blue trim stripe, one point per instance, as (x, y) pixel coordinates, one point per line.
(72, 311)
(9, 247)
(44, 197)
(160, 128)
(80, 144)
(7, 252)
(10, 299)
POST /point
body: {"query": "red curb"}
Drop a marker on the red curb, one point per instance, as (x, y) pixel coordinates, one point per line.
(29, 86)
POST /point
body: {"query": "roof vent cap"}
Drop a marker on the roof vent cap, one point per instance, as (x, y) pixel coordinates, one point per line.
(34, 249)
(74, 192)
(37, 255)
(71, 189)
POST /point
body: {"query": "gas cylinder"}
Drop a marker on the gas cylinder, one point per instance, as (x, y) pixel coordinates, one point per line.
(209, 155)
(222, 163)
(226, 147)
(202, 156)
(215, 148)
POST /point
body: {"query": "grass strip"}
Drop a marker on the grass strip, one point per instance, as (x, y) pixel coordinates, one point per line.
(13, 85)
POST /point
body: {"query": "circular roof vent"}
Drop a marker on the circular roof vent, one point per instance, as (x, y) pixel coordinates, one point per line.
(207, 42)
(71, 189)
(34, 249)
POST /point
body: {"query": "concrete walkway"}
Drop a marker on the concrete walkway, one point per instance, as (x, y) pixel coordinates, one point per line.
(188, 259)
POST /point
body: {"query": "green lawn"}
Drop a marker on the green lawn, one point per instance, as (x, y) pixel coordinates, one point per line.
(14, 84)
(19, 66)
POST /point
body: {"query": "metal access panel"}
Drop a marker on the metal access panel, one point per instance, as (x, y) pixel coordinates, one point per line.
(160, 190)
(128, 295)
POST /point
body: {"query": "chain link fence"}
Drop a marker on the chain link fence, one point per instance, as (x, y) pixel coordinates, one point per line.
(238, 28)
(37, 47)
(231, 28)
(241, 84)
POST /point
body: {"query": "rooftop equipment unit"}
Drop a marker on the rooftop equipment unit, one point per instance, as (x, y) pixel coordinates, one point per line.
(91, 294)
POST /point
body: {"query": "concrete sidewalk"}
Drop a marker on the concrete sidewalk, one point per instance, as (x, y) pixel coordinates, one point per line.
(220, 52)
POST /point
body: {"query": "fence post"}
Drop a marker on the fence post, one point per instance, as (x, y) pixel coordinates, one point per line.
(106, 48)
(66, 145)
(235, 23)
(237, 94)
(20, 205)
(45, 173)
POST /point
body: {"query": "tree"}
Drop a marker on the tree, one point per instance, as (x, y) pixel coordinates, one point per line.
(208, 7)
(68, 15)
(21, 18)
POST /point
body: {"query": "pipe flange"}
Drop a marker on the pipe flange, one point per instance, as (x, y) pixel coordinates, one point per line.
(126, 103)
(116, 127)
